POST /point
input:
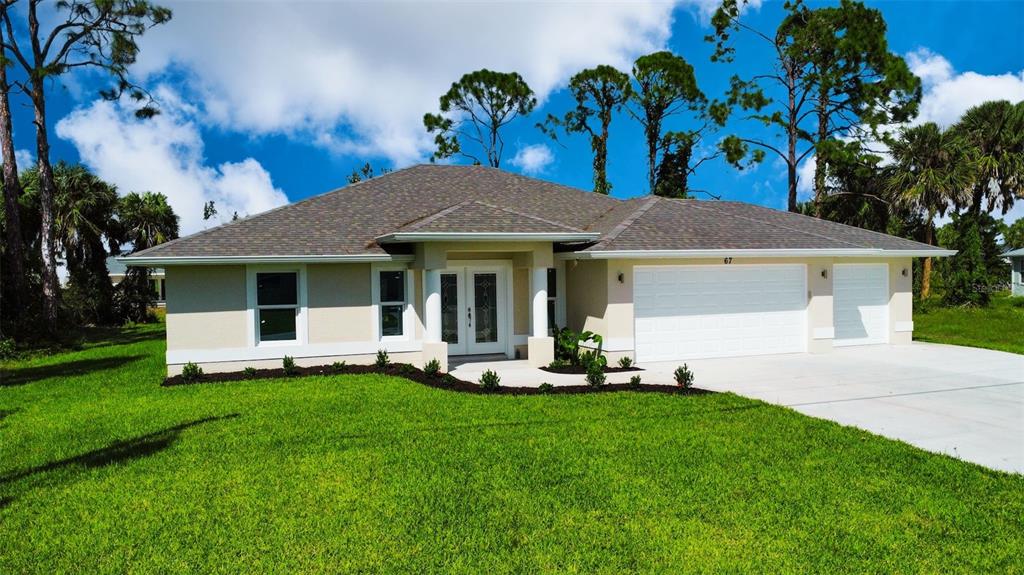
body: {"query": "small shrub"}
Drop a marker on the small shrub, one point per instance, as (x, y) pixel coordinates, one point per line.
(625, 362)
(382, 359)
(448, 379)
(432, 368)
(593, 357)
(490, 380)
(249, 373)
(559, 364)
(288, 363)
(545, 387)
(595, 375)
(634, 382)
(338, 366)
(7, 348)
(191, 373)
(684, 377)
(406, 369)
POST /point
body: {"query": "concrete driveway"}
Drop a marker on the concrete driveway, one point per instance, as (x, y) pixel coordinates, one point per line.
(961, 401)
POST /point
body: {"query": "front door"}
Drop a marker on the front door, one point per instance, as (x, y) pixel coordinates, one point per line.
(473, 310)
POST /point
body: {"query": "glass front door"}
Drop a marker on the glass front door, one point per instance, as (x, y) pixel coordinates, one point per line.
(473, 310)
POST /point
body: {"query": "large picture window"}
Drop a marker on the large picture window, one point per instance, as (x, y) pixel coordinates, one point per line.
(277, 305)
(392, 302)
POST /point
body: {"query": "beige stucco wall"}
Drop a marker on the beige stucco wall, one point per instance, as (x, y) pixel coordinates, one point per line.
(339, 302)
(586, 295)
(206, 307)
(521, 301)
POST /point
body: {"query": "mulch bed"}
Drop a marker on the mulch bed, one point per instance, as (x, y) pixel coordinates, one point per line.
(580, 370)
(440, 381)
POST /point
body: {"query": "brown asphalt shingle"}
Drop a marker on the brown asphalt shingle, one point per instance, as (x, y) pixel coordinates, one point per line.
(436, 198)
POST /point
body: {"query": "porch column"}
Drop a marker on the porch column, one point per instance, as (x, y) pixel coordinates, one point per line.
(433, 347)
(541, 347)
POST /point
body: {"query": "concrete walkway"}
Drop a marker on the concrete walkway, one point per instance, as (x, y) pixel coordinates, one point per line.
(961, 401)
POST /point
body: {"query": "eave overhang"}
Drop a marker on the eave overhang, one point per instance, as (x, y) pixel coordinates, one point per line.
(157, 261)
(749, 253)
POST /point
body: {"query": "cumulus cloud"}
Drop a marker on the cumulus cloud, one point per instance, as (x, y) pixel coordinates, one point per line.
(165, 154)
(533, 159)
(358, 77)
(948, 94)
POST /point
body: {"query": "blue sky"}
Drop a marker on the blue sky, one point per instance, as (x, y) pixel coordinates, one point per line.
(266, 103)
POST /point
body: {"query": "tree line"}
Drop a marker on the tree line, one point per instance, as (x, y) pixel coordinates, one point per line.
(62, 211)
(833, 94)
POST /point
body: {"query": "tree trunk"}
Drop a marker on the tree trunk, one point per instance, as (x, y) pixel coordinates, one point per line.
(791, 139)
(926, 268)
(15, 251)
(600, 145)
(652, 130)
(819, 161)
(48, 248)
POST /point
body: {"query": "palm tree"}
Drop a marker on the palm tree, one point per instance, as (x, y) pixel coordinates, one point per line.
(144, 220)
(929, 174)
(993, 134)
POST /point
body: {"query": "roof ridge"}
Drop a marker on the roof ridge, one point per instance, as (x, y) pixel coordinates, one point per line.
(518, 213)
(629, 220)
(784, 227)
(418, 223)
(270, 211)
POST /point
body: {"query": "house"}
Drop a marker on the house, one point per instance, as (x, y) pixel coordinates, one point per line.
(117, 271)
(436, 261)
(1016, 258)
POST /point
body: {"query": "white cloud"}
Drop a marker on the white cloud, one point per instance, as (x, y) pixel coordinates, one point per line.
(165, 154)
(703, 10)
(805, 178)
(533, 159)
(948, 94)
(358, 77)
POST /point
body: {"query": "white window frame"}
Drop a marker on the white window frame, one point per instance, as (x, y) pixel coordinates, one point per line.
(301, 333)
(408, 313)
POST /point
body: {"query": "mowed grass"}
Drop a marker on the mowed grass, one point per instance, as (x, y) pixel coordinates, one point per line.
(999, 326)
(103, 471)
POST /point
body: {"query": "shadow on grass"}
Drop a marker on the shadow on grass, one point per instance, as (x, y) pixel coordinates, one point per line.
(14, 377)
(104, 336)
(117, 452)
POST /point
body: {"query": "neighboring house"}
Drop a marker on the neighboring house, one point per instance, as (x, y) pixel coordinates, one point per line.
(436, 261)
(1016, 258)
(117, 271)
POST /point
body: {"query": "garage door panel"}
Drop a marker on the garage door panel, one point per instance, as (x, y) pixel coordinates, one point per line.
(688, 312)
(860, 303)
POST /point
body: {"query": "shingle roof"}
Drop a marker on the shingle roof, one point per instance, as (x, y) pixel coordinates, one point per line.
(436, 198)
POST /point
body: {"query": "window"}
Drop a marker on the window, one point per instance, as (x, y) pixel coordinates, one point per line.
(277, 305)
(392, 302)
(552, 298)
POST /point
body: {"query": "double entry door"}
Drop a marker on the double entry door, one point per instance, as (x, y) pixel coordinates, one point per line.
(473, 310)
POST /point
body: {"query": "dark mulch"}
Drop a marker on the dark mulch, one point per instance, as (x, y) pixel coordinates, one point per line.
(580, 370)
(440, 381)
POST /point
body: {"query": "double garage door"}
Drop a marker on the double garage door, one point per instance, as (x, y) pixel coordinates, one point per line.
(689, 312)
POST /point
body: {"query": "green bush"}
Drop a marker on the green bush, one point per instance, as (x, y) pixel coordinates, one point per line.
(406, 369)
(339, 366)
(432, 368)
(249, 373)
(448, 379)
(595, 375)
(288, 363)
(567, 344)
(382, 359)
(191, 373)
(634, 382)
(593, 357)
(559, 364)
(490, 380)
(625, 362)
(545, 387)
(684, 377)
(7, 348)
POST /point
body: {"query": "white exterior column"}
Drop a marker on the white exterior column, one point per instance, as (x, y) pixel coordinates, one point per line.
(432, 311)
(539, 288)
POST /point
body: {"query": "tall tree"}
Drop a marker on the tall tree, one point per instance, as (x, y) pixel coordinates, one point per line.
(14, 270)
(833, 78)
(365, 173)
(145, 220)
(994, 135)
(1013, 235)
(474, 110)
(599, 93)
(665, 86)
(929, 175)
(101, 35)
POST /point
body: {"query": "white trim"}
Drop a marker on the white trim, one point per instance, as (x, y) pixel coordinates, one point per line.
(824, 333)
(301, 324)
(487, 236)
(144, 261)
(408, 314)
(902, 326)
(180, 356)
(724, 253)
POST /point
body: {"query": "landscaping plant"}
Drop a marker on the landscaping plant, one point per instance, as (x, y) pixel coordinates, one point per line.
(382, 358)
(191, 373)
(634, 382)
(288, 363)
(545, 387)
(250, 372)
(490, 380)
(432, 368)
(338, 366)
(684, 377)
(595, 375)
(625, 362)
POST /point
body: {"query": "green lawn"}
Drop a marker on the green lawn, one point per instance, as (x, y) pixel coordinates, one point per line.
(103, 471)
(999, 326)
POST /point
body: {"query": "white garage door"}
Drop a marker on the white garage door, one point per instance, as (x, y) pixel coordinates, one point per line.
(860, 303)
(688, 312)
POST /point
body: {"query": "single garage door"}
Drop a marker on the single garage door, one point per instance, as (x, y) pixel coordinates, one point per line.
(689, 312)
(860, 303)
